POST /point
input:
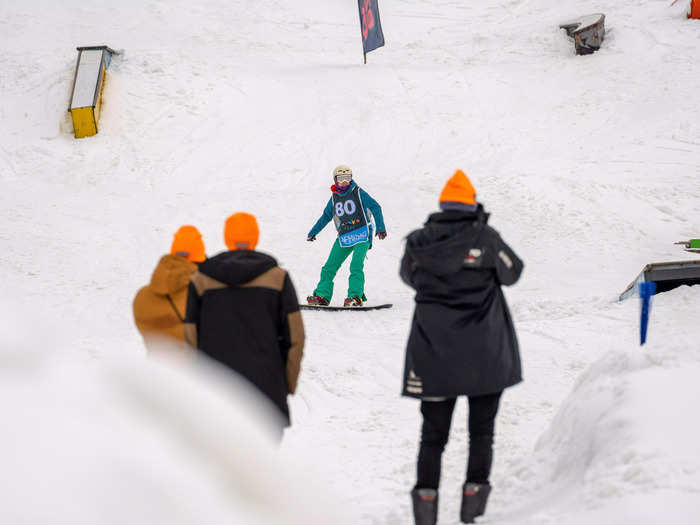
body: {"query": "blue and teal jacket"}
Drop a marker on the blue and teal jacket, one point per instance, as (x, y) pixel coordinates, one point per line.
(367, 202)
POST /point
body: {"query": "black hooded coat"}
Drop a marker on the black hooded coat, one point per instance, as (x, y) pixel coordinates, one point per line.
(462, 339)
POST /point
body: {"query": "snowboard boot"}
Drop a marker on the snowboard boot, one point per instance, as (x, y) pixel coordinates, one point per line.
(474, 496)
(352, 302)
(425, 506)
(317, 300)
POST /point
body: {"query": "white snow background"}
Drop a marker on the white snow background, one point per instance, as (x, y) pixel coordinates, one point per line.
(589, 165)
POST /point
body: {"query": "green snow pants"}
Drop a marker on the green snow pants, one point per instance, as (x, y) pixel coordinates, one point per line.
(356, 282)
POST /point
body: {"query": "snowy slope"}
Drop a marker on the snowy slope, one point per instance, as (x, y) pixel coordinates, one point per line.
(588, 164)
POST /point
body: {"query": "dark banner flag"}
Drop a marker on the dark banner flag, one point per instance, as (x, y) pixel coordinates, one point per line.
(372, 36)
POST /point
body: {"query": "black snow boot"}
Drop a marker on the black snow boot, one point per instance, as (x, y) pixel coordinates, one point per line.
(425, 506)
(474, 496)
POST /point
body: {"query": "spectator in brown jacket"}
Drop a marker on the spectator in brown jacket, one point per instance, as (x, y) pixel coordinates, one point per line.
(243, 311)
(159, 307)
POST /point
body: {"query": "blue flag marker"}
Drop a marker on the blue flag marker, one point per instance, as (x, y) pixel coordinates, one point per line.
(372, 35)
(646, 290)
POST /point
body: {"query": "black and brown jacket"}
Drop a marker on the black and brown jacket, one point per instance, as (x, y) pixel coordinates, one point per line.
(243, 311)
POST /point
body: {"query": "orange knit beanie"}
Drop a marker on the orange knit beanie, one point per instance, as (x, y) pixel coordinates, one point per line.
(187, 242)
(241, 231)
(458, 189)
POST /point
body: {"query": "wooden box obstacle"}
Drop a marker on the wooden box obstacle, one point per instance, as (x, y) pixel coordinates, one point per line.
(667, 276)
(86, 96)
(587, 31)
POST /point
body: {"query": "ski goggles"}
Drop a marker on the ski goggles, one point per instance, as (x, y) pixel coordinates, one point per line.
(343, 177)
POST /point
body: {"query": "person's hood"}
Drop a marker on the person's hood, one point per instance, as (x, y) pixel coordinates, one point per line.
(171, 274)
(480, 215)
(441, 246)
(237, 267)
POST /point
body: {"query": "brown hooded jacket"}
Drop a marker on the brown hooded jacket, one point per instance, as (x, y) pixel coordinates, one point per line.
(159, 308)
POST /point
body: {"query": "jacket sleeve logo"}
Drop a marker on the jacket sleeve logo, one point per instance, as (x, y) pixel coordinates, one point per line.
(506, 260)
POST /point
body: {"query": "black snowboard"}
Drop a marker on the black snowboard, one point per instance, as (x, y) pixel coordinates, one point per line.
(344, 308)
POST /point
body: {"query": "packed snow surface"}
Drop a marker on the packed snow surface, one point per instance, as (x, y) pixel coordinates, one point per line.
(589, 166)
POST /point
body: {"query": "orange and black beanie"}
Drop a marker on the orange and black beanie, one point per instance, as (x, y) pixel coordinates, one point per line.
(458, 194)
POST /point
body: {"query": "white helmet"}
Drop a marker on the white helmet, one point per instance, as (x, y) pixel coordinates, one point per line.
(342, 170)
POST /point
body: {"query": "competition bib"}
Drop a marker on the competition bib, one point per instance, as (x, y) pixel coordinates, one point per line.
(350, 219)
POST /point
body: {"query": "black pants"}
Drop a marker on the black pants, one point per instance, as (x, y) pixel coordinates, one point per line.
(437, 418)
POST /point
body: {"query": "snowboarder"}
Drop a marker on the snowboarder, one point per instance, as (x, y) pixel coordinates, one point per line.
(243, 311)
(352, 210)
(462, 340)
(159, 307)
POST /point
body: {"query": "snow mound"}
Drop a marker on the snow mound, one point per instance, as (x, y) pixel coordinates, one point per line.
(128, 440)
(623, 446)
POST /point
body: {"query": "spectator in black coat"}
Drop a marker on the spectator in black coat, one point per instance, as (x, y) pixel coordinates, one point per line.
(243, 311)
(462, 339)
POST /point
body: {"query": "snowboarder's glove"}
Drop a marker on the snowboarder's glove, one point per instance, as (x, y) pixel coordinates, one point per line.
(311, 238)
(381, 235)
